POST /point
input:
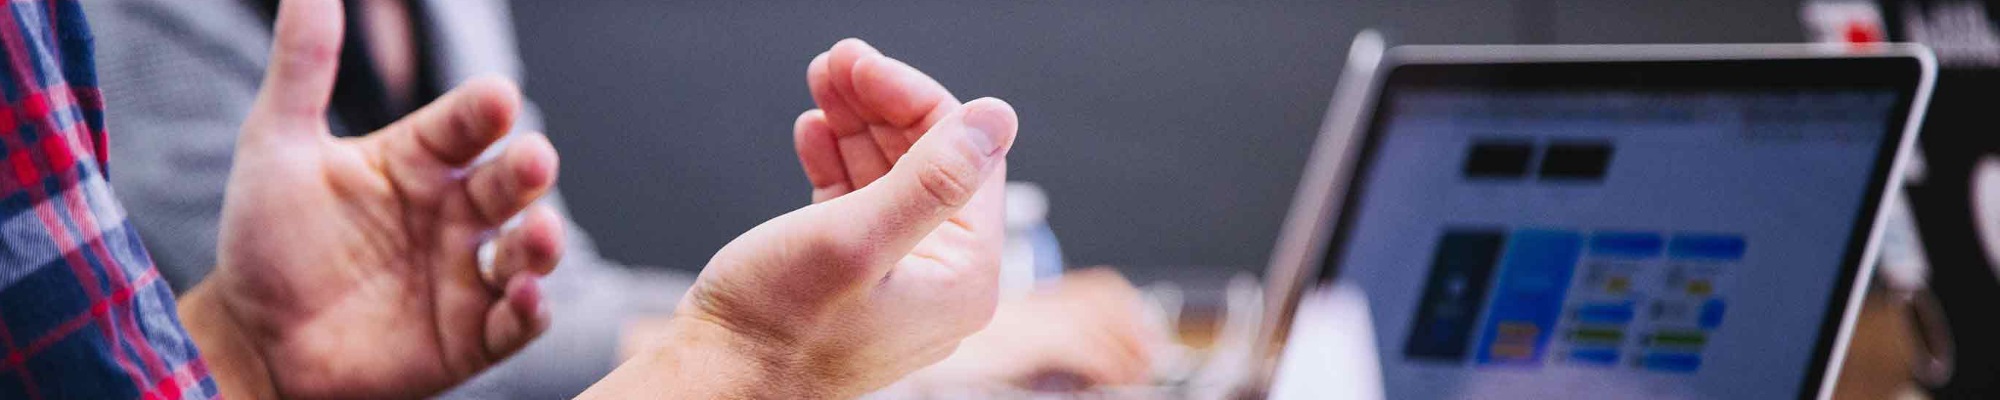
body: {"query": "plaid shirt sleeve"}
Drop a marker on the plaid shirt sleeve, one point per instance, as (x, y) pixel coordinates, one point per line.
(83, 314)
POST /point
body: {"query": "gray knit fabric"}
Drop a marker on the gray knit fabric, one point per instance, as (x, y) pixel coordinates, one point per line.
(178, 78)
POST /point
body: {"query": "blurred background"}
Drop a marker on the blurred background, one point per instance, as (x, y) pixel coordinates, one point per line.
(1168, 134)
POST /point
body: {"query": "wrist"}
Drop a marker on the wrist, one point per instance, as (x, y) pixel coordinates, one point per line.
(697, 358)
(703, 347)
(229, 352)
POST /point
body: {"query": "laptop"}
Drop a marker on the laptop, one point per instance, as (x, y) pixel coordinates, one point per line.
(1589, 222)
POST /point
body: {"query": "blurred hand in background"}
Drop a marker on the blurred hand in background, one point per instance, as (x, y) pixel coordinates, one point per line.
(1081, 332)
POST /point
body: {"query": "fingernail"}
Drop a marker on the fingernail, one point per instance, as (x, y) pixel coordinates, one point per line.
(989, 126)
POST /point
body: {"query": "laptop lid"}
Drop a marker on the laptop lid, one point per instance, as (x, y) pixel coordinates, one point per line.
(1560, 222)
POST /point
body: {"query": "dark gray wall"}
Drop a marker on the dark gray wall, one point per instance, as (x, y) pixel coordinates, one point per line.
(1168, 133)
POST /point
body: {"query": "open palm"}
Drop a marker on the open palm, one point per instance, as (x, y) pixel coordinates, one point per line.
(350, 264)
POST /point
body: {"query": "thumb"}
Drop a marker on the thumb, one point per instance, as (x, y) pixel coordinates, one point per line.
(305, 55)
(941, 173)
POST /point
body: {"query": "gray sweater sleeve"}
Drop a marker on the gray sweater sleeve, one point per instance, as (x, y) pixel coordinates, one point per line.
(179, 76)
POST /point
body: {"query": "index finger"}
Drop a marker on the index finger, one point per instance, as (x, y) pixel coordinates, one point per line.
(459, 126)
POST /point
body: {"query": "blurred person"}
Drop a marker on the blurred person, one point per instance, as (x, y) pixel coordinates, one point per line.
(180, 72)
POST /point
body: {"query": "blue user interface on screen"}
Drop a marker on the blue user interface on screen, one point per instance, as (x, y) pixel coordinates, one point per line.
(1557, 245)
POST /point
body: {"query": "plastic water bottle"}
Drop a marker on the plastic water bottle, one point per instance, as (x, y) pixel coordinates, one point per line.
(1032, 253)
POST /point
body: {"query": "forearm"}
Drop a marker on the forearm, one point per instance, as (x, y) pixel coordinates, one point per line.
(697, 360)
(238, 369)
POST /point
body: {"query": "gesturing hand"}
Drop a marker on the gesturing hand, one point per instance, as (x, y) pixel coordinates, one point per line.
(348, 266)
(896, 262)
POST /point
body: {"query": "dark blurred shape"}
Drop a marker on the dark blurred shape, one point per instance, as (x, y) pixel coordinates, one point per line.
(1576, 161)
(1499, 159)
(1461, 272)
(1957, 134)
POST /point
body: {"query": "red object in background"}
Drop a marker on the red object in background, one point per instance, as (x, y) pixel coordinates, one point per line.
(1861, 32)
(1858, 25)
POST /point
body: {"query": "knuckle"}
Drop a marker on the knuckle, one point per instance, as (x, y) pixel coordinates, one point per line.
(462, 126)
(300, 51)
(949, 183)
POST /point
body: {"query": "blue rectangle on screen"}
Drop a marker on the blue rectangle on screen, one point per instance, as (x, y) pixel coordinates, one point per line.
(1706, 247)
(1711, 314)
(1672, 362)
(1528, 294)
(1594, 356)
(1605, 313)
(1626, 244)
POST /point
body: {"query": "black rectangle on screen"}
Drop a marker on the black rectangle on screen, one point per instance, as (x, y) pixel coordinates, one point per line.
(1576, 160)
(1454, 294)
(1499, 159)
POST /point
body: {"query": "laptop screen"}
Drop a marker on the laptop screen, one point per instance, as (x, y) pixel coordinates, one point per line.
(1611, 241)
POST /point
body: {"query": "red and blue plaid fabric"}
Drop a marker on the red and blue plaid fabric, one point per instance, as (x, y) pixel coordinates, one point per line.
(83, 314)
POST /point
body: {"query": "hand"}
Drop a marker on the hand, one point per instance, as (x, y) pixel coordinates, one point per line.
(348, 266)
(1085, 331)
(895, 263)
